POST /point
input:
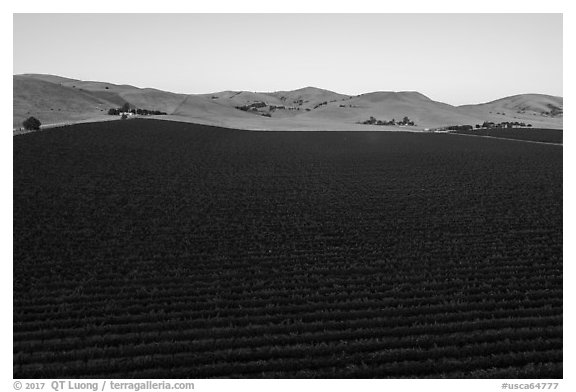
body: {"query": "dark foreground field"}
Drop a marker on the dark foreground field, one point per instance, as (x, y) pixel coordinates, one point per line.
(528, 134)
(156, 249)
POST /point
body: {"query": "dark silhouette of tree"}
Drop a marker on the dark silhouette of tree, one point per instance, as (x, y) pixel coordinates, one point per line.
(125, 107)
(31, 124)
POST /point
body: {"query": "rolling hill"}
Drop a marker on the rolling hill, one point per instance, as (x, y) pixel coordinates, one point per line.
(309, 97)
(393, 105)
(279, 104)
(538, 109)
(240, 98)
(55, 99)
(54, 103)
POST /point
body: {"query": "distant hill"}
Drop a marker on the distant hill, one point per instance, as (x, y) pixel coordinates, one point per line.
(54, 103)
(55, 99)
(284, 103)
(541, 110)
(239, 98)
(144, 98)
(308, 97)
(387, 105)
(208, 112)
(535, 103)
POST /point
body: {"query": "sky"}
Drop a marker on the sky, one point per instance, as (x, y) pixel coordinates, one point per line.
(453, 58)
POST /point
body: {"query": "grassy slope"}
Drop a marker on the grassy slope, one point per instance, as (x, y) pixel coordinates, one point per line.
(310, 97)
(240, 98)
(84, 99)
(53, 103)
(529, 108)
(389, 105)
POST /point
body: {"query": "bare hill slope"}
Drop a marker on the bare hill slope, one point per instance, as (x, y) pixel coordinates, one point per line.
(200, 108)
(55, 99)
(241, 98)
(540, 110)
(308, 97)
(53, 103)
(387, 105)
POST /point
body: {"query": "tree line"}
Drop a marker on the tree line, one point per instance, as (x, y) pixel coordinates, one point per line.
(124, 109)
(374, 121)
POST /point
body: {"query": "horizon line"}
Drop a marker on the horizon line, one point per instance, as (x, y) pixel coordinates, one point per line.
(285, 90)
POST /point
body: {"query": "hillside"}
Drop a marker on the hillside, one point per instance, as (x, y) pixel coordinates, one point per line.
(308, 97)
(538, 109)
(54, 103)
(206, 111)
(145, 98)
(240, 98)
(278, 104)
(55, 99)
(50, 78)
(393, 105)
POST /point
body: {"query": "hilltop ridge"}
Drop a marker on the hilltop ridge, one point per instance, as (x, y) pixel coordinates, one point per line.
(57, 99)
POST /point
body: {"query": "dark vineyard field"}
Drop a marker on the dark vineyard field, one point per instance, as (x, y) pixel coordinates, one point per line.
(154, 249)
(529, 134)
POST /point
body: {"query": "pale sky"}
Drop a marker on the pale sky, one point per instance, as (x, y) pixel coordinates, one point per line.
(452, 58)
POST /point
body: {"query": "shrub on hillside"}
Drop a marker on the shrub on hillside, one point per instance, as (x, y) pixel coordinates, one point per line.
(31, 124)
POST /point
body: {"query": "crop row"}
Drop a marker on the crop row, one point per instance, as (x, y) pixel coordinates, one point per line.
(172, 329)
(199, 307)
(208, 348)
(129, 288)
(421, 362)
(157, 249)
